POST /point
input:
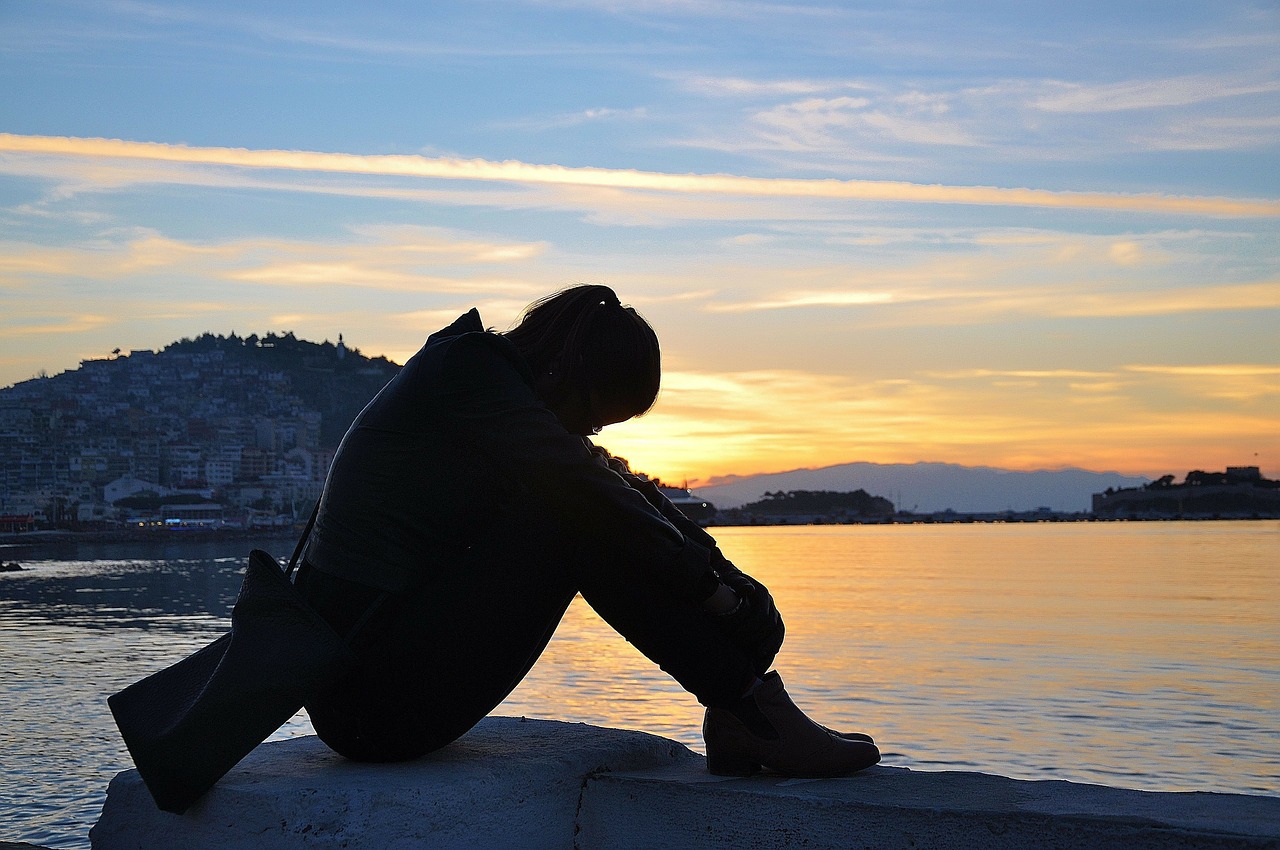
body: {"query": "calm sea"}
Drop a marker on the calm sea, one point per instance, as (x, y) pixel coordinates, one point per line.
(1142, 655)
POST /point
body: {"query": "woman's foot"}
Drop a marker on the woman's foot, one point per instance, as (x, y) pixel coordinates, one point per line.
(766, 729)
(852, 736)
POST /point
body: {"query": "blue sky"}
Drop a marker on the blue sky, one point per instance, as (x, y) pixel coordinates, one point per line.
(1025, 235)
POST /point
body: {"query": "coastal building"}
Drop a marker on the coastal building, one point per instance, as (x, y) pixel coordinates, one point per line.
(205, 515)
(1240, 492)
(16, 523)
(694, 507)
(126, 486)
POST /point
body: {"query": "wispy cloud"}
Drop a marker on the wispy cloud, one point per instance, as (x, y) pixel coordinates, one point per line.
(393, 258)
(1209, 134)
(714, 184)
(1244, 296)
(1250, 384)
(744, 87)
(721, 9)
(1036, 374)
(65, 325)
(1024, 275)
(847, 298)
(858, 124)
(594, 115)
(820, 123)
(1218, 370)
(1150, 94)
(335, 38)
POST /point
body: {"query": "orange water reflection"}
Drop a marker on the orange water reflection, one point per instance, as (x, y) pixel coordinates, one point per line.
(1135, 654)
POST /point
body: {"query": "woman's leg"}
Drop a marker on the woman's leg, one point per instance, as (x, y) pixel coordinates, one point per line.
(437, 658)
(440, 656)
(749, 723)
(677, 635)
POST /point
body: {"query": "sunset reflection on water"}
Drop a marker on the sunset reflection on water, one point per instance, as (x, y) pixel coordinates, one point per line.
(1143, 655)
(1134, 654)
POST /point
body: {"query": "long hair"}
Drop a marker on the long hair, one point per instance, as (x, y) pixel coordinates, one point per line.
(588, 342)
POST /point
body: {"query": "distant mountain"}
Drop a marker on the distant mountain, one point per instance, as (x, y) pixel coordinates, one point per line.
(930, 487)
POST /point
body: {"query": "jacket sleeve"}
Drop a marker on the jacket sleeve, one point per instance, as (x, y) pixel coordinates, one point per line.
(493, 406)
(654, 496)
(720, 565)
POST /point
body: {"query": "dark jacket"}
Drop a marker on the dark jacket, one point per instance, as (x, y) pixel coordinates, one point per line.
(457, 440)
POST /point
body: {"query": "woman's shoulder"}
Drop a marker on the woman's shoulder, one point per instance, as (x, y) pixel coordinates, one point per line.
(477, 357)
(479, 346)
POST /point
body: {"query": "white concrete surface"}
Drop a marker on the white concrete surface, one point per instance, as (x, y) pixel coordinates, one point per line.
(513, 783)
(507, 783)
(888, 807)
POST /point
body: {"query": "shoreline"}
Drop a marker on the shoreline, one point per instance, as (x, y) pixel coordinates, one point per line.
(955, 518)
(167, 535)
(131, 535)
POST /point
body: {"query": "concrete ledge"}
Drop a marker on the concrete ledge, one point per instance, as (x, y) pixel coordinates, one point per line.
(507, 783)
(545, 784)
(887, 807)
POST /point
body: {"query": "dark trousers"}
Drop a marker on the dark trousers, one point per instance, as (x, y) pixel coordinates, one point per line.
(438, 657)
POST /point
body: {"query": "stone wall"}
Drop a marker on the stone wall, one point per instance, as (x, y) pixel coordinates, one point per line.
(516, 783)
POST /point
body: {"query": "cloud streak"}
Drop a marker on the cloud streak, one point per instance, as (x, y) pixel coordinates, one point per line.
(1150, 94)
(973, 303)
(405, 259)
(72, 325)
(448, 168)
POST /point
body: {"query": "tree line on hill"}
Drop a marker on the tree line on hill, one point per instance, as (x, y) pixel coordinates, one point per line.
(819, 503)
(337, 386)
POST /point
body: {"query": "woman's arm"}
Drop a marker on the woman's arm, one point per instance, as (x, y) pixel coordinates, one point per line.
(493, 410)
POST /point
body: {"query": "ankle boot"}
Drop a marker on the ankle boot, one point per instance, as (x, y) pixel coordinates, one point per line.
(852, 736)
(766, 729)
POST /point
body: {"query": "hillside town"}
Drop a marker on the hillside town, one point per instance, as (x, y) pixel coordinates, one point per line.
(226, 431)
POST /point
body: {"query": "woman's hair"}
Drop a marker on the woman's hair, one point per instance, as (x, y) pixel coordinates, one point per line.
(589, 343)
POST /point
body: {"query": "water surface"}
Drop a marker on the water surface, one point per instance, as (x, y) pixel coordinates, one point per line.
(1142, 655)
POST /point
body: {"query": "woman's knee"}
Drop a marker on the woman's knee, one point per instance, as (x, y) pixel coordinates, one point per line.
(373, 732)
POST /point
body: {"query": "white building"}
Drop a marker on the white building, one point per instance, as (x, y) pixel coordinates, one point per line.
(125, 486)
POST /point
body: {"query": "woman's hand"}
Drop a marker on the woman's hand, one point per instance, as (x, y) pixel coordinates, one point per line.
(754, 624)
(722, 601)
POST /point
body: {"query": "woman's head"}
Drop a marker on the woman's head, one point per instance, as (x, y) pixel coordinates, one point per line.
(596, 362)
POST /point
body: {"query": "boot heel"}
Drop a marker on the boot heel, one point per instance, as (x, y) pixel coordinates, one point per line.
(721, 762)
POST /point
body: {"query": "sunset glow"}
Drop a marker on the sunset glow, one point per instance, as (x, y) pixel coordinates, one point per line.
(862, 233)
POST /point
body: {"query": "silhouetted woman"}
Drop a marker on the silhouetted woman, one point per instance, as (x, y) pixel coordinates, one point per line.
(467, 506)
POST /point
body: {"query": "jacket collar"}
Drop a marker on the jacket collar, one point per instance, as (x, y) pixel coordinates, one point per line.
(468, 322)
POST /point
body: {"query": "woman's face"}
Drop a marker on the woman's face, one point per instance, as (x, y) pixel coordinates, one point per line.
(585, 413)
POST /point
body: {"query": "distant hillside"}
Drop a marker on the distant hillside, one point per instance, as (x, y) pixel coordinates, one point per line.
(930, 487)
(823, 503)
(333, 380)
(1240, 491)
(248, 376)
(256, 417)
